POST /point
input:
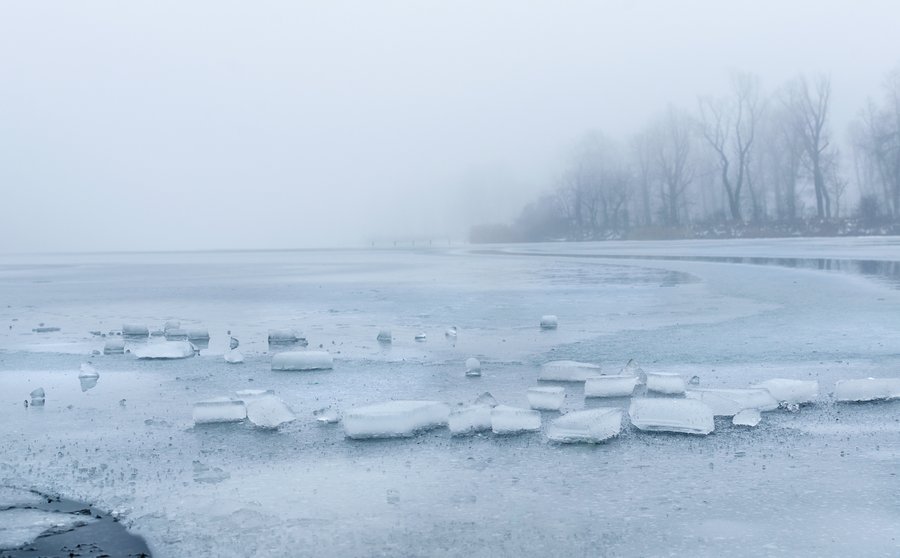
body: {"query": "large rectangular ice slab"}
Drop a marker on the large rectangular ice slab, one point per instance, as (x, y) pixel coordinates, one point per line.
(302, 360)
(686, 416)
(568, 371)
(512, 420)
(219, 410)
(394, 419)
(665, 383)
(867, 389)
(616, 385)
(546, 398)
(470, 419)
(165, 350)
(729, 402)
(791, 391)
(591, 426)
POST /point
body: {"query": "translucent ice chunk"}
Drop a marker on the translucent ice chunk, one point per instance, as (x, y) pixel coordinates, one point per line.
(302, 360)
(451, 332)
(791, 391)
(286, 336)
(549, 321)
(512, 420)
(326, 415)
(686, 416)
(747, 417)
(165, 350)
(729, 402)
(233, 343)
(37, 397)
(546, 398)
(591, 426)
(486, 399)
(114, 347)
(135, 330)
(88, 377)
(19, 527)
(268, 411)
(867, 389)
(384, 336)
(198, 334)
(234, 356)
(470, 419)
(394, 419)
(421, 337)
(632, 368)
(220, 409)
(473, 367)
(568, 371)
(669, 384)
(619, 385)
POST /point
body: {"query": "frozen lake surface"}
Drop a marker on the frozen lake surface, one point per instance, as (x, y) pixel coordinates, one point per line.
(818, 482)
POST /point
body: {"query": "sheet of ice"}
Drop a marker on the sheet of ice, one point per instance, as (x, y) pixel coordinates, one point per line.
(590, 426)
(384, 336)
(747, 417)
(394, 419)
(729, 402)
(469, 419)
(268, 411)
(473, 367)
(221, 409)
(11, 497)
(666, 383)
(166, 350)
(19, 527)
(685, 416)
(867, 389)
(791, 391)
(549, 321)
(302, 360)
(618, 385)
(568, 371)
(546, 398)
(234, 356)
(114, 347)
(513, 420)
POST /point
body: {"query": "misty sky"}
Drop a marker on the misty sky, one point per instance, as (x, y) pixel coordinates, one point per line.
(190, 125)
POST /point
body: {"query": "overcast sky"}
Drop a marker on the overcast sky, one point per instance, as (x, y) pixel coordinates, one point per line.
(190, 125)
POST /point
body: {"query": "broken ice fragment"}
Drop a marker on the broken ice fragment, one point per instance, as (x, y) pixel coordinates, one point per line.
(421, 337)
(233, 343)
(619, 385)
(512, 420)
(234, 356)
(631, 368)
(470, 419)
(546, 398)
(486, 399)
(176, 334)
(591, 426)
(221, 409)
(268, 411)
(88, 377)
(451, 332)
(729, 402)
(394, 419)
(549, 321)
(695, 381)
(302, 360)
(473, 367)
(198, 334)
(45, 329)
(666, 383)
(37, 397)
(114, 347)
(747, 417)
(685, 416)
(384, 336)
(166, 350)
(791, 391)
(135, 330)
(867, 389)
(326, 415)
(568, 371)
(286, 336)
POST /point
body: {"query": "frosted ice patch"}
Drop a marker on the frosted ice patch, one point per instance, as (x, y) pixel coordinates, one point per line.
(469, 419)
(19, 527)
(473, 367)
(268, 411)
(135, 330)
(549, 321)
(729, 402)
(747, 417)
(685, 416)
(568, 371)
(546, 398)
(165, 351)
(234, 356)
(791, 391)
(665, 383)
(394, 419)
(512, 420)
(302, 360)
(590, 426)
(619, 385)
(114, 347)
(218, 410)
(867, 389)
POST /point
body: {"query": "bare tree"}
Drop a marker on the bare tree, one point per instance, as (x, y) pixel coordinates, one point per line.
(877, 139)
(672, 139)
(808, 110)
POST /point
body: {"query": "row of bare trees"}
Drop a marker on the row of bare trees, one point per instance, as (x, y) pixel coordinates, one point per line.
(743, 157)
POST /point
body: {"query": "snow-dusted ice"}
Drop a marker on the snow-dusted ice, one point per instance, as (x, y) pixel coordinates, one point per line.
(791, 391)
(665, 383)
(729, 402)
(616, 385)
(546, 398)
(394, 419)
(867, 389)
(469, 419)
(568, 371)
(514, 420)
(268, 411)
(589, 426)
(220, 409)
(302, 360)
(685, 416)
(167, 350)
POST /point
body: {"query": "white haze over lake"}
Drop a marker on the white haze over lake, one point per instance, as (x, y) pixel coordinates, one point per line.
(174, 125)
